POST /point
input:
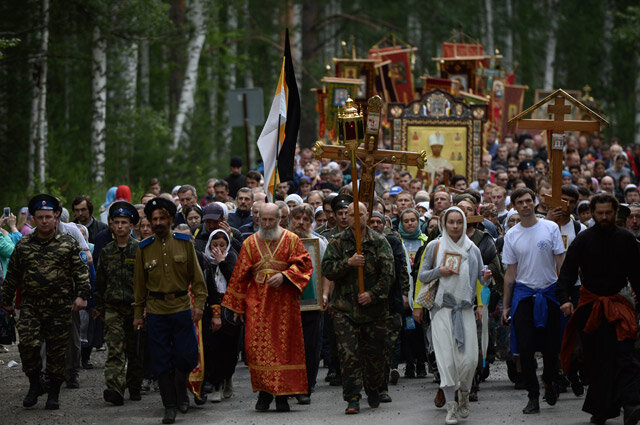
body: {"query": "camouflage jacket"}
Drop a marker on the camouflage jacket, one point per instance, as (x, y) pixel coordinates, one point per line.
(378, 274)
(50, 273)
(114, 277)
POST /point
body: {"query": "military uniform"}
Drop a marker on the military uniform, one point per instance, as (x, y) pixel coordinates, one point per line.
(360, 330)
(113, 298)
(51, 274)
(164, 270)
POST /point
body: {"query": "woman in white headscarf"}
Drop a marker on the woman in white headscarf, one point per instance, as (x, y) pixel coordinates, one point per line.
(220, 345)
(453, 324)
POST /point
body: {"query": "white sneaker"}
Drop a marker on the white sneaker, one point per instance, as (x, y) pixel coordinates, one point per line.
(452, 413)
(228, 388)
(463, 404)
(216, 395)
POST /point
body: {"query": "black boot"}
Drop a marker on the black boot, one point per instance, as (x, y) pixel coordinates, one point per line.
(53, 391)
(181, 380)
(282, 403)
(167, 385)
(264, 401)
(35, 390)
(532, 407)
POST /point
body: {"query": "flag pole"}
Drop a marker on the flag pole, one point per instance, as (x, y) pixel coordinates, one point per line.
(275, 171)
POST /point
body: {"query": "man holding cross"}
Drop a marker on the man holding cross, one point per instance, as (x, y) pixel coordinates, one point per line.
(360, 318)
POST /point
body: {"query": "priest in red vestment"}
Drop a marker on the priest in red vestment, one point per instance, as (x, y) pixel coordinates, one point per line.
(272, 270)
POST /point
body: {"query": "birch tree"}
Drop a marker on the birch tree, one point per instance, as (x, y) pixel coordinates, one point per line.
(508, 39)
(229, 78)
(99, 100)
(489, 11)
(194, 49)
(550, 47)
(144, 72)
(42, 136)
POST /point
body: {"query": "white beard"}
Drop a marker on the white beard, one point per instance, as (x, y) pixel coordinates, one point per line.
(271, 234)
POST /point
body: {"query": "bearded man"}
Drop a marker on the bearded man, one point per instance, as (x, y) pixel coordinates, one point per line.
(604, 320)
(302, 225)
(272, 270)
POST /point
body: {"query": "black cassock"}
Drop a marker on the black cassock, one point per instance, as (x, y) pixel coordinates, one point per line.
(608, 259)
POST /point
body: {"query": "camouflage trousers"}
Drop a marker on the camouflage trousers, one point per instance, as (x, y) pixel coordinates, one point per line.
(361, 347)
(120, 338)
(394, 324)
(44, 324)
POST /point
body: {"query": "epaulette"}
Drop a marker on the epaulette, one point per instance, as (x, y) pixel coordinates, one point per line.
(146, 242)
(181, 236)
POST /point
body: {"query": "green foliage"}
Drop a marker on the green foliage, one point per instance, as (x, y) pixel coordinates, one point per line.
(139, 136)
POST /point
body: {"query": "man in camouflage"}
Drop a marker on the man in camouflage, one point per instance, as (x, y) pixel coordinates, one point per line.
(360, 319)
(113, 297)
(398, 301)
(338, 205)
(52, 272)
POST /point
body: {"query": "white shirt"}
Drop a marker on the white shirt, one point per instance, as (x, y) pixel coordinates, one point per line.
(533, 249)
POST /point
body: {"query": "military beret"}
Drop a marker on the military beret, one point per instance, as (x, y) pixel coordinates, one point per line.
(526, 164)
(340, 202)
(159, 203)
(45, 202)
(124, 209)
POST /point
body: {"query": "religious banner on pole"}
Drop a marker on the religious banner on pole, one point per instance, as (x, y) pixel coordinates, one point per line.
(512, 105)
(399, 71)
(338, 91)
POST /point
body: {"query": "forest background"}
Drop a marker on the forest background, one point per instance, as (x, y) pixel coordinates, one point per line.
(97, 93)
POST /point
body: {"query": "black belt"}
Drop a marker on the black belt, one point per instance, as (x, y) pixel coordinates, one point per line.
(167, 296)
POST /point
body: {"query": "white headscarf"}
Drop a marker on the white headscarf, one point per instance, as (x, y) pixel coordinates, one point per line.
(511, 212)
(221, 282)
(456, 284)
(294, 198)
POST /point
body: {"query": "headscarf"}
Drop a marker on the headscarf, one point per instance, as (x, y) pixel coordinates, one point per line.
(111, 196)
(403, 232)
(221, 282)
(123, 193)
(454, 291)
(294, 198)
(454, 283)
(511, 212)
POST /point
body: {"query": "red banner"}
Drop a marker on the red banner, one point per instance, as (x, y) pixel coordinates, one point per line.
(512, 106)
(399, 72)
(456, 50)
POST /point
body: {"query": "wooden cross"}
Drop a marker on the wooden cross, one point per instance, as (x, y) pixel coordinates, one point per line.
(558, 125)
(370, 156)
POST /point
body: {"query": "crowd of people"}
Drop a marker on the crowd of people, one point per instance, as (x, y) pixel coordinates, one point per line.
(448, 275)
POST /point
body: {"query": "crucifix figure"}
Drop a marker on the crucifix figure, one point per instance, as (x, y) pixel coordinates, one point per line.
(370, 156)
(557, 126)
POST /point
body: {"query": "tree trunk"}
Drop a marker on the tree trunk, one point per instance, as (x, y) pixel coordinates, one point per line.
(228, 81)
(144, 73)
(33, 131)
(129, 59)
(187, 97)
(489, 11)
(176, 56)
(308, 52)
(552, 39)
(99, 100)
(42, 101)
(508, 39)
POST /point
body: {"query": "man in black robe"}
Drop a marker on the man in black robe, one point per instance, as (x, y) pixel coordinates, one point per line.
(604, 321)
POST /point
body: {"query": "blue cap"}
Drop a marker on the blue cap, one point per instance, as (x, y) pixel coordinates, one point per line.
(395, 190)
(45, 202)
(124, 209)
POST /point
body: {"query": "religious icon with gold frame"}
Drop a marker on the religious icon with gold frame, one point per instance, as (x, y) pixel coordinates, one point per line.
(452, 260)
(311, 298)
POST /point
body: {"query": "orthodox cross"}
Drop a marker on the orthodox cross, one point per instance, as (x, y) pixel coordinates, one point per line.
(370, 156)
(557, 126)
